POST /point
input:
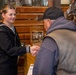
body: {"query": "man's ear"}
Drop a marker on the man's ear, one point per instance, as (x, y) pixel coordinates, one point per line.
(49, 21)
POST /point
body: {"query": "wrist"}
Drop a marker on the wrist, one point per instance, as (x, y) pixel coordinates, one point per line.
(27, 48)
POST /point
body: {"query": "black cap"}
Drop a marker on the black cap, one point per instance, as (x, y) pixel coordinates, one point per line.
(52, 13)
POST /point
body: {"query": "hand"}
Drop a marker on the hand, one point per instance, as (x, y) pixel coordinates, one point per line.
(34, 50)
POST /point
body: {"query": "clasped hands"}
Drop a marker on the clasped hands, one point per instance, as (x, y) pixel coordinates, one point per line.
(34, 50)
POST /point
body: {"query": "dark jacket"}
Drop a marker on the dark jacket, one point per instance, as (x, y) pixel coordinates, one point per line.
(47, 59)
(10, 49)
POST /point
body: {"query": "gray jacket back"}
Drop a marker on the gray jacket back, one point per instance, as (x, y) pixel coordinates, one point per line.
(66, 41)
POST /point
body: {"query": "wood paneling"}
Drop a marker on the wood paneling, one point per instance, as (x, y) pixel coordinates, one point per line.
(26, 23)
(64, 8)
(30, 9)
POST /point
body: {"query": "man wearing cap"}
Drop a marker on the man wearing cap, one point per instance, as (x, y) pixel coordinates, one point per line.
(57, 55)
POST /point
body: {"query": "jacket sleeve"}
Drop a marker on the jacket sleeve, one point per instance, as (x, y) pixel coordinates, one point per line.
(6, 46)
(47, 58)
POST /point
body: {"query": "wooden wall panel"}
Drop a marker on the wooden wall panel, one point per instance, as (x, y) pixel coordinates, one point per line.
(30, 9)
(26, 23)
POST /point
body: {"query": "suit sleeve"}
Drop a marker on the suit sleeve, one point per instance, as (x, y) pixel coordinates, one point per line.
(47, 58)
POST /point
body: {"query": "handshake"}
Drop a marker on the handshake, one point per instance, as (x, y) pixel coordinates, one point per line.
(33, 49)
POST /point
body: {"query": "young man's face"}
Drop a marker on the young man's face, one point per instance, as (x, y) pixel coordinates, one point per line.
(10, 16)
